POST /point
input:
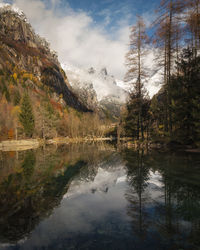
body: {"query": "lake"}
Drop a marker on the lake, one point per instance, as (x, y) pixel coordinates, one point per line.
(98, 196)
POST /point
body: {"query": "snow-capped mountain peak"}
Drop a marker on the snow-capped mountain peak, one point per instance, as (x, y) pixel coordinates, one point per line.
(8, 7)
(103, 83)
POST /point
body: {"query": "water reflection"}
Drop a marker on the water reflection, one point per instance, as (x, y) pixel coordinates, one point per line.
(26, 198)
(138, 176)
(164, 199)
(93, 197)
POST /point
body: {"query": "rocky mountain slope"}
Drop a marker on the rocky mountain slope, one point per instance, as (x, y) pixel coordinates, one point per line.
(23, 54)
(97, 89)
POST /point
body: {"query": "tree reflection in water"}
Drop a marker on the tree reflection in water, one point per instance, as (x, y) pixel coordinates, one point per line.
(125, 199)
(173, 216)
(31, 192)
(137, 176)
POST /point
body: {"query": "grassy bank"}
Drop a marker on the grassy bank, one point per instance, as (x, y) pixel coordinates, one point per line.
(18, 145)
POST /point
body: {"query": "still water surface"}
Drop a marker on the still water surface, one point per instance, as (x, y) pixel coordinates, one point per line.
(98, 197)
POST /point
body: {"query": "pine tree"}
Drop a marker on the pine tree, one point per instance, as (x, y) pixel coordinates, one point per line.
(26, 116)
(136, 72)
(185, 92)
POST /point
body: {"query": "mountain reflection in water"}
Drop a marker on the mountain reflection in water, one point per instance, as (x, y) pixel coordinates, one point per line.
(97, 197)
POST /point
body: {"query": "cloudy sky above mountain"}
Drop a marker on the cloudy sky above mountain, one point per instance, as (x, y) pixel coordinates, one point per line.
(88, 32)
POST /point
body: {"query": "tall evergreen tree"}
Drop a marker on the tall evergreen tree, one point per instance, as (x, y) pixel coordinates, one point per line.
(184, 90)
(185, 93)
(26, 116)
(136, 73)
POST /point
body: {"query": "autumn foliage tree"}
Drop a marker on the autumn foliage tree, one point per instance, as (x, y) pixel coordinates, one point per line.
(137, 74)
(173, 113)
(192, 19)
(167, 38)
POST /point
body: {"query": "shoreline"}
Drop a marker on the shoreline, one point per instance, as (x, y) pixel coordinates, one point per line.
(26, 144)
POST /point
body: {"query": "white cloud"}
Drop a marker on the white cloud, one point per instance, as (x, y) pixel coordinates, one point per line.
(76, 37)
(78, 40)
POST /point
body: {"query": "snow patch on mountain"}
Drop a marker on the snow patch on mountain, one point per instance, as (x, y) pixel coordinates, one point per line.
(103, 83)
(13, 7)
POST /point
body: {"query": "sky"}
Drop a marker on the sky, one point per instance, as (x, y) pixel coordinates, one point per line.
(87, 33)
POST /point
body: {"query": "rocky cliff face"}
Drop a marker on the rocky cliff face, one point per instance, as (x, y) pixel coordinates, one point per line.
(98, 90)
(21, 48)
(111, 106)
(84, 89)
